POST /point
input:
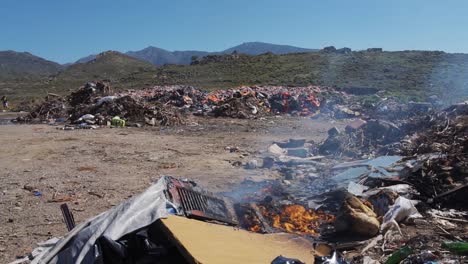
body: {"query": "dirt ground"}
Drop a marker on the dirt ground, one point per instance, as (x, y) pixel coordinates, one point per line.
(93, 170)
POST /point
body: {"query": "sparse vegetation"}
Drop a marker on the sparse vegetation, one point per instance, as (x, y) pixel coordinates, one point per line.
(408, 74)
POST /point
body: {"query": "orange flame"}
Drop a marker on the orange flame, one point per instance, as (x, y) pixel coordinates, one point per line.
(294, 219)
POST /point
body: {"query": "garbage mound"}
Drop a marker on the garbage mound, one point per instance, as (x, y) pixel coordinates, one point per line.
(92, 105)
(251, 102)
(385, 127)
(439, 173)
(163, 105)
(53, 107)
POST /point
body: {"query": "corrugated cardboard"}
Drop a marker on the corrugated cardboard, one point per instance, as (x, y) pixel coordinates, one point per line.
(207, 243)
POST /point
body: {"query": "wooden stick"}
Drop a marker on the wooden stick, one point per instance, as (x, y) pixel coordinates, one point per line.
(266, 226)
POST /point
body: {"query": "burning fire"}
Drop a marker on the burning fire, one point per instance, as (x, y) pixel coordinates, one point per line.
(296, 219)
(292, 219)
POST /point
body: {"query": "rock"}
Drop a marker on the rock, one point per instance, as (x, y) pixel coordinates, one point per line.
(329, 49)
(344, 50)
(374, 50)
(237, 163)
(356, 218)
(29, 187)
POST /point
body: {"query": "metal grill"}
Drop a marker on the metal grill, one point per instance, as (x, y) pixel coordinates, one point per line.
(200, 204)
(203, 206)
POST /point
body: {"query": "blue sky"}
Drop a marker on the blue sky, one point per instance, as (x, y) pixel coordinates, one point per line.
(66, 30)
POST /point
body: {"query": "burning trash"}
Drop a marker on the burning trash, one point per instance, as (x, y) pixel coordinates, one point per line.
(294, 219)
(165, 232)
(370, 190)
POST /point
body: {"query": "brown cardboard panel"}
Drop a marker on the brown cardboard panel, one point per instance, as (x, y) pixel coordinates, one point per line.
(208, 243)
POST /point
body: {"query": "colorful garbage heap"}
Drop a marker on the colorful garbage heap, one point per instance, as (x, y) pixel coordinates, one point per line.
(246, 102)
(96, 104)
(242, 102)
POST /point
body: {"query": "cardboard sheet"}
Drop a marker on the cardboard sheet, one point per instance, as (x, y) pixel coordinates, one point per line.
(207, 243)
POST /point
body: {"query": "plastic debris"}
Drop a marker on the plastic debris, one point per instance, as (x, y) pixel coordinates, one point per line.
(399, 255)
(460, 248)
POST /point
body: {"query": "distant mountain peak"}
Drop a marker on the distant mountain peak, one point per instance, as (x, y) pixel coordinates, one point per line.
(22, 64)
(159, 56)
(257, 47)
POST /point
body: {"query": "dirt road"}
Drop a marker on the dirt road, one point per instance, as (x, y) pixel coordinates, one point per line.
(93, 170)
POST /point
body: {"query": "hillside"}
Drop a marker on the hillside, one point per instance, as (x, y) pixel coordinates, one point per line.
(409, 74)
(110, 65)
(158, 56)
(116, 67)
(257, 48)
(14, 65)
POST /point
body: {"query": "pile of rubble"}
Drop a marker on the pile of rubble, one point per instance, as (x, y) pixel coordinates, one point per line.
(381, 128)
(95, 104)
(440, 149)
(386, 209)
(371, 207)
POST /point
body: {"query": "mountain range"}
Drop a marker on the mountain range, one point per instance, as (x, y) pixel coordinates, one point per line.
(24, 64)
(404, 73)
(158, 56)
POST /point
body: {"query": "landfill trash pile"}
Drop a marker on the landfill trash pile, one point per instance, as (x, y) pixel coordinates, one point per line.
(165, 105)
(409, 208)
(391, 187)
(366, 208)
(381, 128)
(440, 150)
(247, 102)
(92, 106)
(53, 107)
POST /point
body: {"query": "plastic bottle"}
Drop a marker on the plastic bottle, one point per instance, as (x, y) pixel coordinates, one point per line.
(460, 248)
(399, 255)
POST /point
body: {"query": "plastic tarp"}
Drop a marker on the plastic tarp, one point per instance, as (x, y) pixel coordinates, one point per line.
(78, 246)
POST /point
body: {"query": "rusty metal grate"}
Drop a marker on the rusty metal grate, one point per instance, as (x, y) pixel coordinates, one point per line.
(203, 206)
(199, 204)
